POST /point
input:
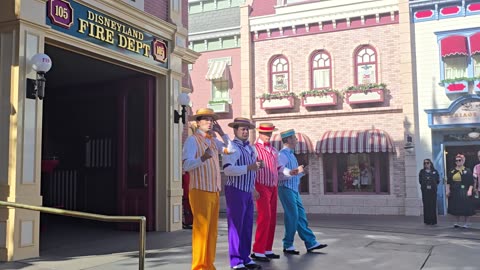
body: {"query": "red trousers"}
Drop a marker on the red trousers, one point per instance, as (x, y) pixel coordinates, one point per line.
(187, 210)
(267, 218)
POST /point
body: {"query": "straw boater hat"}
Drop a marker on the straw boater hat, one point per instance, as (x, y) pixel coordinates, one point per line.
(266, 127)
(287, 133)
(205, 112)
(241, 122)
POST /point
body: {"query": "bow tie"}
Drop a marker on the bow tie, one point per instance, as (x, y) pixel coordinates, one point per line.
(266, 144)
(208, 136)
(246, 143)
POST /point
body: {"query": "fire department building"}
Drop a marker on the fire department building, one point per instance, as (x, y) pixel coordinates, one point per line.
(94, 132)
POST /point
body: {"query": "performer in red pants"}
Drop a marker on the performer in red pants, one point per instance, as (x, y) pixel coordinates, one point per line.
(266, 185)
(187, 211)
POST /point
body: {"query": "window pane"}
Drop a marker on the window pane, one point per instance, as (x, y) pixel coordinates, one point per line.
(220, 90)
(321, 78)
(280, 82)
(304, 182)
(356, 172)
(455, 67)
(476, 62)
(366, 74)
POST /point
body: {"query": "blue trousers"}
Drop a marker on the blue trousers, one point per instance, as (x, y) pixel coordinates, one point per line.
(295, 218)
(240, 224)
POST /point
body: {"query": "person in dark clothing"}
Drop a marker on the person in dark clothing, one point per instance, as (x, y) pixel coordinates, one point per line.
(187, 210)
(429, 179)
(459, 192)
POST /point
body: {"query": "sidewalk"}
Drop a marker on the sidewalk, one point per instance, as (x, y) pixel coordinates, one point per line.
(355, 242)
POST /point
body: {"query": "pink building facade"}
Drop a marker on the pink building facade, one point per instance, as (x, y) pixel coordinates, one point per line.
(340, 76)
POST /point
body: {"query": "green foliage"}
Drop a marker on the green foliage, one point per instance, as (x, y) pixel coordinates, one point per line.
(365, 88)
(218, 101)
(277, 95)
(459, 79)
(321, 92)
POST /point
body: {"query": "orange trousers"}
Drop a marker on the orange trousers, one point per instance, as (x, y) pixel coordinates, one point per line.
(205, 208)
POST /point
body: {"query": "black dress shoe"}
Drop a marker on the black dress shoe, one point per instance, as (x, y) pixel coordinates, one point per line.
(240, 268)
(294, 252)
(259, 258)
(273, 256)
(317, 247)
(187, 227)
(253, 266)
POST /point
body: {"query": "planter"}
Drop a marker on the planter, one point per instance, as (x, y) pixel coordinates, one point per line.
(283, 103)
(476, 86)
(222, 107)
(456, 87)
(325, 100)
(360, 97)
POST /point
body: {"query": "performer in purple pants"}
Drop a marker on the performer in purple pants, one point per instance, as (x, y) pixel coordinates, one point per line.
(240, 167)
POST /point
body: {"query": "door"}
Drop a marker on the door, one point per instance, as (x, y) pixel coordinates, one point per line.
(136, 146)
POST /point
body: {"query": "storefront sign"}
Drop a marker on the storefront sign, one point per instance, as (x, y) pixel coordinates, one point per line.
(85, 23)
(467, 113)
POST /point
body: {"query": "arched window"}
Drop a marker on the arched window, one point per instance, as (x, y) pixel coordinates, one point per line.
(279, 74)
(365, 65)
(321, 70)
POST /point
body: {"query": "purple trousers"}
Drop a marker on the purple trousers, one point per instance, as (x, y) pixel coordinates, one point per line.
(240, 224)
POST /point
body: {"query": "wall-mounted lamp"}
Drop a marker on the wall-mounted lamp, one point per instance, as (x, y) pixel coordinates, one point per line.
(41, 63)
(474, 134)
(183, 100)
(409, 143)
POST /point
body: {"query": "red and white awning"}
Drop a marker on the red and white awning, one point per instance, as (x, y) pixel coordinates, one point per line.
(304, 146)
(475, 44)
(454, 45)
(355, 141)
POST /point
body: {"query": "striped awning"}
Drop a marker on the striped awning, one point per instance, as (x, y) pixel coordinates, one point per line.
(304, 146)
(216, 70)
(475, 44)
(355, 141)
(454, 45)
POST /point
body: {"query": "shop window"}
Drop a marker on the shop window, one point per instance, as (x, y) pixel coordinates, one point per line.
(455, 66)
(460, 55)
(321, 70)
(365, 173)
(304, 186)
(279, 74)
(365, 65)
(476, 67)
(220, 90)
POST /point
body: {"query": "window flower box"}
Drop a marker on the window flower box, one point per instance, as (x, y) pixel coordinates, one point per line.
(312, 100)
(219, 106)
(280, 100)
(460, 85)
(362, 94)
(362, 97)
(284, 103)
(456, 87)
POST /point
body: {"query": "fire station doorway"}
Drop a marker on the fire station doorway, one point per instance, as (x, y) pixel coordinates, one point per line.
(97, 138)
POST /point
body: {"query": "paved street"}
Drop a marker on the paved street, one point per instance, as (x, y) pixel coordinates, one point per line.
(355, 242)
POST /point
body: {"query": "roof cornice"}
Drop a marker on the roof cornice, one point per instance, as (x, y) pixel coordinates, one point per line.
(318, 12)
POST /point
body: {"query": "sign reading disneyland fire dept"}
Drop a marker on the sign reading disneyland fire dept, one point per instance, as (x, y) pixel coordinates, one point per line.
(467, 113)
(85, 23)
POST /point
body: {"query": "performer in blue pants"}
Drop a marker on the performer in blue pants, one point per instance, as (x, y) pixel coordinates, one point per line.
(295, 218)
